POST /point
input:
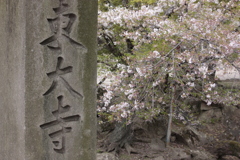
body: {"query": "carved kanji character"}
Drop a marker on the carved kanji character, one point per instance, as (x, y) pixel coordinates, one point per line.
(57, 77)
(60, 121)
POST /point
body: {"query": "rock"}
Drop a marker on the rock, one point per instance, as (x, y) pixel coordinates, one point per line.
(227, 148)
(179, 154)
(106, 156)
(235, 83)
(210, 115)
(227, 73)
(173, 138)
(157, 145)
(205, 107)
(230, 158)
(201, 137)
(188, 136)
(200, 155)
(159, 158)
(231, 121)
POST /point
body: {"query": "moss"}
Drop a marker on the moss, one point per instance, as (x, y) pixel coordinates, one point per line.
(178, 123)
(214, 120)
(99, 151)
(228, 148)
(234, 146)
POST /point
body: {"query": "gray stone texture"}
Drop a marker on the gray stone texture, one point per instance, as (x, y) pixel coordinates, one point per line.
(48, 79)
(106, 156)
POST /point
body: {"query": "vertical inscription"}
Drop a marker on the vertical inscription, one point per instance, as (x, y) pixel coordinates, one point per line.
(61, 27)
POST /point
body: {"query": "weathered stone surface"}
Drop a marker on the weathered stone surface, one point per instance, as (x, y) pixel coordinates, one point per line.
(178, 153)
(188, 136)
(48, 79)
(230, 158)
(106, 156)
(233, 83)
(159, 158)
(205, 107)
(157, 144)
(12, 89)
(213, 114)
(228, 77)
(228, 73)
(200, 155)
(231, 121)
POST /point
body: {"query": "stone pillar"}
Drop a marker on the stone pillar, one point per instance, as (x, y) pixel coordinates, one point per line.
(48, 79)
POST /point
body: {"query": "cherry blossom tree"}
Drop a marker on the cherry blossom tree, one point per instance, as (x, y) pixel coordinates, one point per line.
(159, 57)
